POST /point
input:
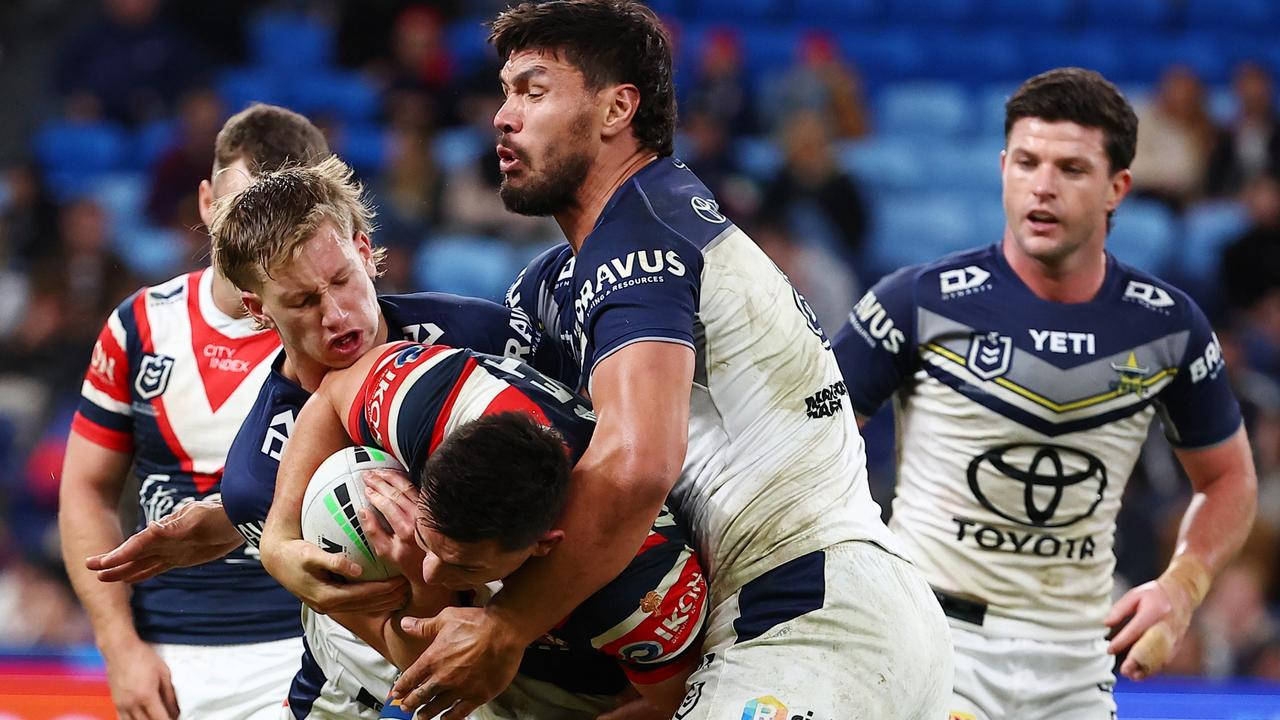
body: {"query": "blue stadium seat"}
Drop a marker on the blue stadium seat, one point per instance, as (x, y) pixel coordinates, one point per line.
(124, 198)
(1041, 14)
(1209, 228)
(885, 56)
(964, 167)
(458, 147)
(344, 94)
(241, 87)
(768, 50)
(923, 110)
(152, 253)
(1094, 50)
(1252, 15)
(758, 157)
(290, 43)
(363, 147)
(1146, 14)
(151, 141)
(466, 265)
(1147, 56)
(1144, 235)
(735, 10)
(909, 229)
(830, 13)
(466, 40)
(976, 57)
(1222, 103)
(989, 109)
(884, 165)
(933, 12)
(73, 154)
(987, 216)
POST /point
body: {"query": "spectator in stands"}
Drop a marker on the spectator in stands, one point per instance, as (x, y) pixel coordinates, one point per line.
(409, 195)
(721, 89)
(1235, 618)
(820, 82)
(1249, 274)
(418, 76)
(1250, 146)
(28, 218)
(824, 281)
(1174, 141)
(182, 166)
(811, 194)
(128, 65)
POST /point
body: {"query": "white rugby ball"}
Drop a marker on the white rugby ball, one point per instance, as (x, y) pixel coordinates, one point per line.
(331, 508)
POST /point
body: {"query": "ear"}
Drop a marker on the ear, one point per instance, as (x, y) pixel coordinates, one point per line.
(547, 542)
(1004, 157)
(204, 199)
(620, 105)
(253, 303)
(1121, 182)
(364, 247)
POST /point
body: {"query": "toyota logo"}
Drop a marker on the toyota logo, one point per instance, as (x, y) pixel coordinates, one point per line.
(1046, 486)
(708, 210)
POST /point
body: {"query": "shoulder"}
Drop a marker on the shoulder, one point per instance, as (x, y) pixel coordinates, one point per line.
(664, 202)
(1158, 301)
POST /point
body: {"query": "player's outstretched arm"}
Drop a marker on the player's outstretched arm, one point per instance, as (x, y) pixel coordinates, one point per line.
(196, 533)
(89, 524)
(316, 577)
(1214, 528)
(641, 397)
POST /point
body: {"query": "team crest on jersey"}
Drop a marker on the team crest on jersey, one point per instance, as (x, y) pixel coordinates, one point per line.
(990, 355)
(153, 375)
(1130, 377)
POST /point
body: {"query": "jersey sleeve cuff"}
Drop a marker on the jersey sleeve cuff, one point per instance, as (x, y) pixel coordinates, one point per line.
(110, 439)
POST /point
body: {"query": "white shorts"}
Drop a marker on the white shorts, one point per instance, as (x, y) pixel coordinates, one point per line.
(848, 632)
(1000, 677)
(342, 678)
(231, 682)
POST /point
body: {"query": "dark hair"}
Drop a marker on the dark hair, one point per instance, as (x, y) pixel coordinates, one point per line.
(608, 41)
(1083, 97)
(268, 138)
(501, 477)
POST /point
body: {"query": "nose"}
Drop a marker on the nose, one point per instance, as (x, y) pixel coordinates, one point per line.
(1045, 182)
(334, 314)
(431, 567)
(507, 119)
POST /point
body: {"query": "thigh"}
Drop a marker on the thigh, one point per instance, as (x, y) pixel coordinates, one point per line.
(849, 632)
(530, 699)
(1075, 682)
(236, 682)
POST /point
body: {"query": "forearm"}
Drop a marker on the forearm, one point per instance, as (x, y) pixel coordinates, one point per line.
(89, 524)
(1217, 522)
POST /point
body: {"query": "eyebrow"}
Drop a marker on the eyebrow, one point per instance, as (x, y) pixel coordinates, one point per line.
(524, 76)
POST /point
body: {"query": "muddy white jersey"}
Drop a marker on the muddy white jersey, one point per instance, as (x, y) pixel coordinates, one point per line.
(1019, 422)
(775, 466)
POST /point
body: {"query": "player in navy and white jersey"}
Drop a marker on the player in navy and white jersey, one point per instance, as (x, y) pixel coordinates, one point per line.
(713, 382)
(413, 401)
(173, 373)
(1024, 378)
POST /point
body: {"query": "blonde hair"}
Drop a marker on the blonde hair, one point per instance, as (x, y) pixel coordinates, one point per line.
(262, 227)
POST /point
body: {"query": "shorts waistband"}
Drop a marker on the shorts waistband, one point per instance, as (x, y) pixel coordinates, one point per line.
(961, 608)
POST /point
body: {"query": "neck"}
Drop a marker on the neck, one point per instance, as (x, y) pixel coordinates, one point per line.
(226, 296)
(1075, 279)
(577, 221)
(309, 373)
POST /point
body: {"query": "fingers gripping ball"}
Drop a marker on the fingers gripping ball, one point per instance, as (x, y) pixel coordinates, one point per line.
(331, 508)
(1185, 582)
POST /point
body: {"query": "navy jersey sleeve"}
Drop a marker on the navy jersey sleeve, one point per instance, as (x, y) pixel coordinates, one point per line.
(541, 290)
(1199, 408)
(253, 460)
(649, 619)
(876, 348)
(635, 281)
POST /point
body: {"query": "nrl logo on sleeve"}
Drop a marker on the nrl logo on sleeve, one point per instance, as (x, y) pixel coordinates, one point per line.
(1148, 295)
(963, 281)
(153, 375)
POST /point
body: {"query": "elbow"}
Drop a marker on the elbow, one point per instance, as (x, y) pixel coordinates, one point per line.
(650, 475)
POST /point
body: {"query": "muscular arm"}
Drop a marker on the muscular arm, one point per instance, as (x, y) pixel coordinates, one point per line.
(641, 398)
(1213, 529)
(89, 524)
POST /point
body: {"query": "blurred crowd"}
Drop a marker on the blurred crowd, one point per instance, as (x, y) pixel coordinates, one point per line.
(771, 147)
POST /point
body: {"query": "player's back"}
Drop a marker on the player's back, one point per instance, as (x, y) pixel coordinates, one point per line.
(775, 466)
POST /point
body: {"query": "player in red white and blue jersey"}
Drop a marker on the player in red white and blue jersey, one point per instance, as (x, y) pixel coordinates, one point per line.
(411, 400)
(172, 375)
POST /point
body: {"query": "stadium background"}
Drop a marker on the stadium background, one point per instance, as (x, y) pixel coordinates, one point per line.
(849, 137)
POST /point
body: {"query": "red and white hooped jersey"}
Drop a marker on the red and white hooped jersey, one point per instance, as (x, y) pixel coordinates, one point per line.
(649, 618)
(170, 381)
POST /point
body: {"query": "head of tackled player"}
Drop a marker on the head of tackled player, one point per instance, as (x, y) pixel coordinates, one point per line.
(296, 242)
(491, 494)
